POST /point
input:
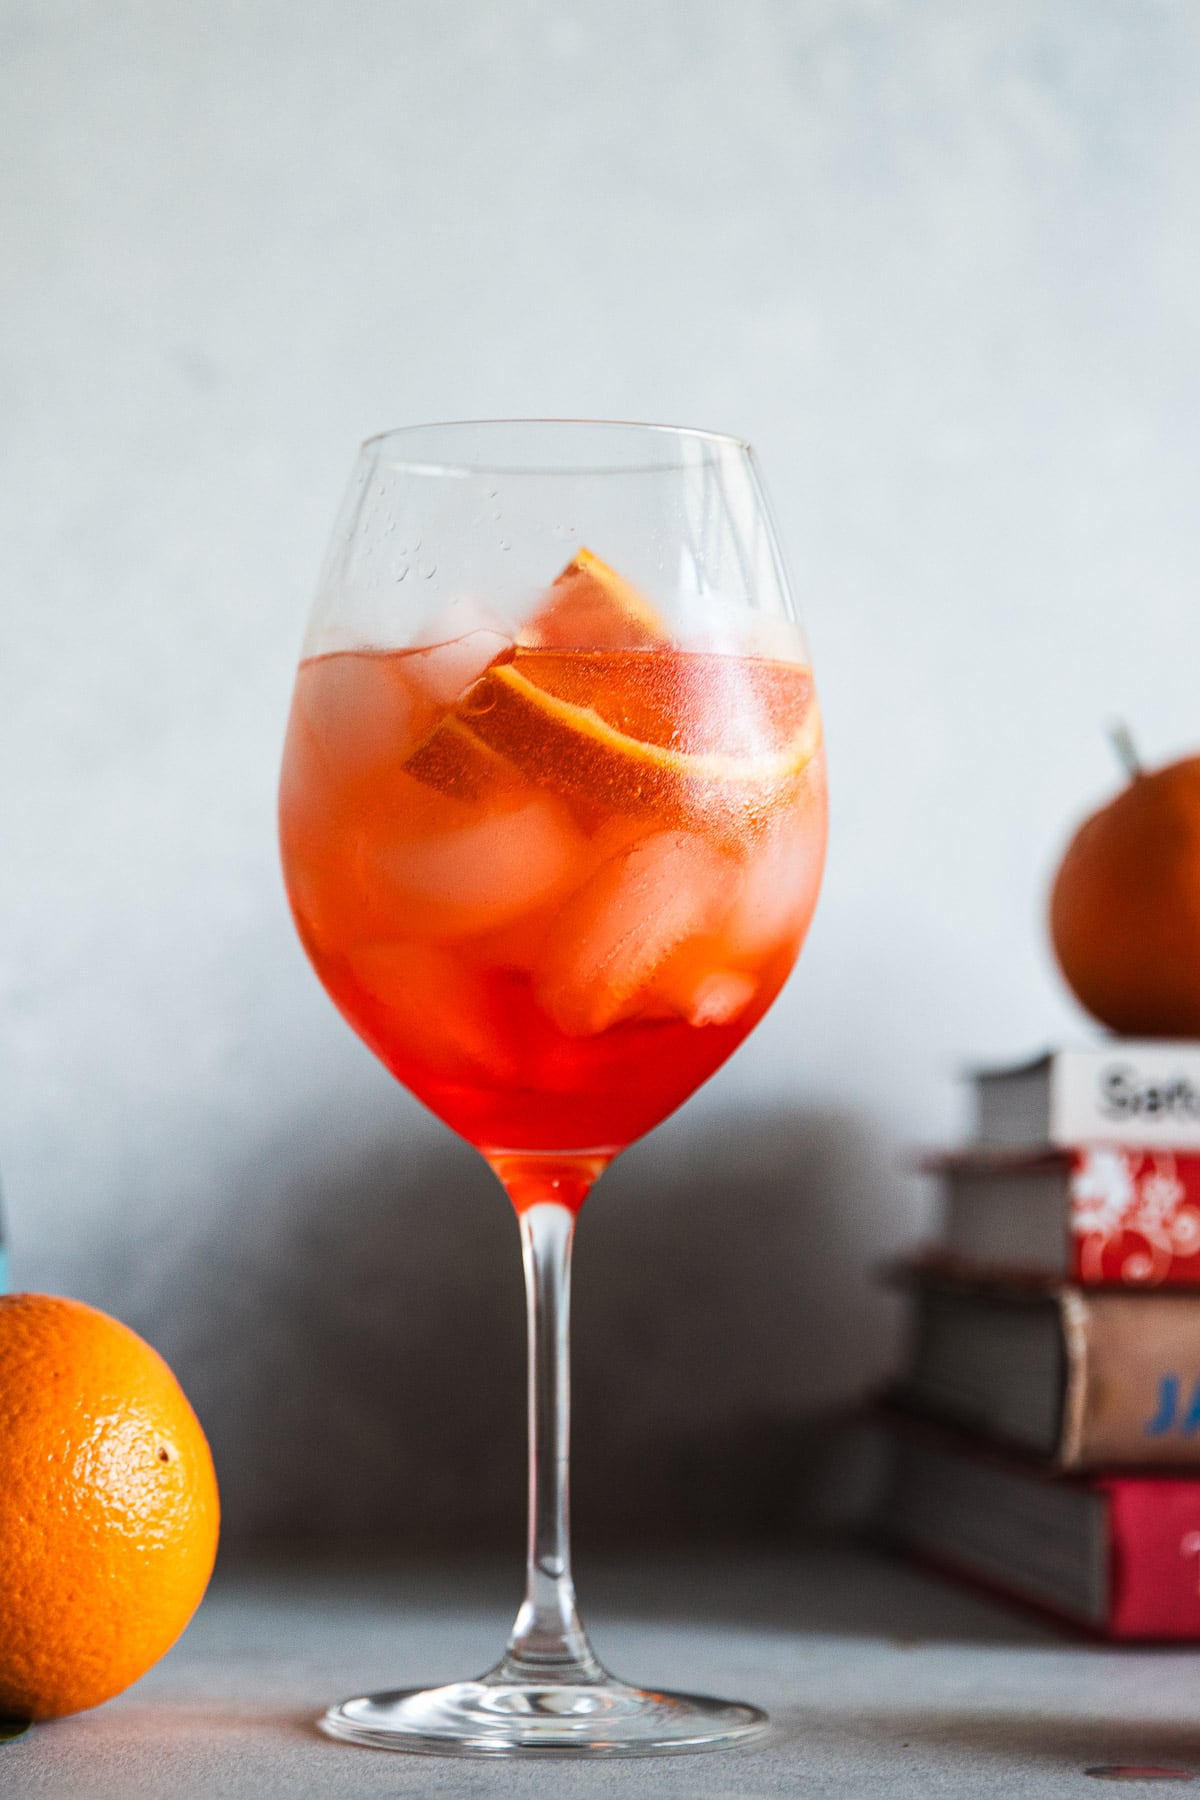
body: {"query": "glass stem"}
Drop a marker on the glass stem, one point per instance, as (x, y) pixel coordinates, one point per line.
(548, 1641)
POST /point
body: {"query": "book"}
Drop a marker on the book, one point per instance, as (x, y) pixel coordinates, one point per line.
(1122, 1092)
(1097, 1215)
(1117, 1554)
(1083, 1378)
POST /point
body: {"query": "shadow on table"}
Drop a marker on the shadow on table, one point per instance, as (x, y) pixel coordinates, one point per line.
(352, 1334)
(835, 1589)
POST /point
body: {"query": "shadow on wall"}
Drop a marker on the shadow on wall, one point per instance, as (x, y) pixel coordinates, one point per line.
(356, 1347)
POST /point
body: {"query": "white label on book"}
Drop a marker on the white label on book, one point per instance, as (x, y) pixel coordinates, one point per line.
(1132, 1094)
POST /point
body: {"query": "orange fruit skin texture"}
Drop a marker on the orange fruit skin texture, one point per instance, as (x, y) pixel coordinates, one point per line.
(1125, 907)
(108, 1507)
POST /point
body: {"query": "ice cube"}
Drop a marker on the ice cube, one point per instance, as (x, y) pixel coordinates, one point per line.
(438, 1009)
(360, 710)
(723, 623)
(718, 998)
(602, 953)
(779, 890)
(472, 869)
(458, 618)
(694, 985)
(519, 946)
(444, 672)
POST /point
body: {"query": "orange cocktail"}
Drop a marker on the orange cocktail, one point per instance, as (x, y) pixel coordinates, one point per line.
(553, 888)
(552, 849)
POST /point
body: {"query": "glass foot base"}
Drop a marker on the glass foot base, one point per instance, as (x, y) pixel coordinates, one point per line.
(497, 1716)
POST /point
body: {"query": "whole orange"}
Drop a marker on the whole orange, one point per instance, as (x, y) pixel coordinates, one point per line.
(1125, 908)
(108, 1507)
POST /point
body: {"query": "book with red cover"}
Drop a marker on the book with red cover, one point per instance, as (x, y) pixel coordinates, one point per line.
(1100, 1215)
(1117, 1554)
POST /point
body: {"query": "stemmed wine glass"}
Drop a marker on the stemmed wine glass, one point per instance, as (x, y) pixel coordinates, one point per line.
(553, 821)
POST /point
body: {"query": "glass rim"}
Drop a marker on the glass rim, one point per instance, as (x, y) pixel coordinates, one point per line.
(463, 467)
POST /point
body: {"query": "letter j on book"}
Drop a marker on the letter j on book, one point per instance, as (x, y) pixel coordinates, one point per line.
(1169, 1414)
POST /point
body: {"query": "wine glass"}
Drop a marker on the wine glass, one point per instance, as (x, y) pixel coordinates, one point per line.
(552, 817)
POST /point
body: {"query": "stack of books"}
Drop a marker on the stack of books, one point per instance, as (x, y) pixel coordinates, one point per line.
(1046, 1434)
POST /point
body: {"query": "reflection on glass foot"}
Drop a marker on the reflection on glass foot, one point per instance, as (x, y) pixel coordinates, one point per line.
(497, 1716)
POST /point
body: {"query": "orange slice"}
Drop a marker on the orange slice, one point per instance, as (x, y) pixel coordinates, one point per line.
(685, 765)
(591, 607)
(693, 700)
(454, 761)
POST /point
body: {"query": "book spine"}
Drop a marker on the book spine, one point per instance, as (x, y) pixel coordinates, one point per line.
(1154, 1559)
(1133, 1217)
(1132, 1389)
(1136, 1094)
(1153, 1550)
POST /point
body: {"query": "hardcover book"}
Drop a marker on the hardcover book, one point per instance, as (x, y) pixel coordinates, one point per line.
(1085, 1379)
(1117, 1554)
(1124, 1092)
(1100, 1215)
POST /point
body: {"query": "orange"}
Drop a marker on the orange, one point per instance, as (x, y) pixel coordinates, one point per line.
(590, 607)
(108, 1507)
(1125, 909)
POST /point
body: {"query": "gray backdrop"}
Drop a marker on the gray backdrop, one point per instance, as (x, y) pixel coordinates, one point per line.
(940, 260)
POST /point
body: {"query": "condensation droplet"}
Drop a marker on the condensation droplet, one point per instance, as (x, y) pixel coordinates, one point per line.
(506, 543)
(427, 569)
(401, 572)
(497, 514)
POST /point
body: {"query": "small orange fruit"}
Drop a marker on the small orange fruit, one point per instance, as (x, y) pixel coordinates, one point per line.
(1125, 908)
(108, 1507)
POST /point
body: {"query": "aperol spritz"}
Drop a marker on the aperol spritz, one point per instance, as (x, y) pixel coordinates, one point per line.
(553, 857)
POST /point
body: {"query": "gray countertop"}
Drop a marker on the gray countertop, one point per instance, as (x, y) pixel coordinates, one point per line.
(879, 1680)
